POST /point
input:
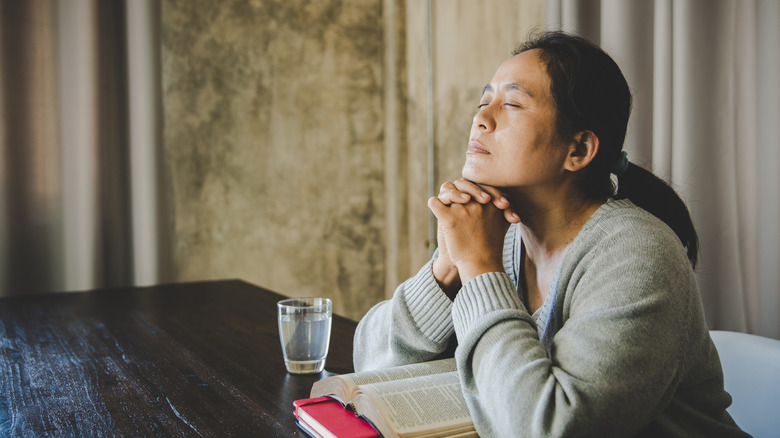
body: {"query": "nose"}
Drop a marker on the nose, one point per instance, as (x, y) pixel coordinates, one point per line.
(484, 119)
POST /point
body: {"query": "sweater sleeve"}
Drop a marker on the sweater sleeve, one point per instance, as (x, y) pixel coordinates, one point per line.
(613, 363)
(414, 326)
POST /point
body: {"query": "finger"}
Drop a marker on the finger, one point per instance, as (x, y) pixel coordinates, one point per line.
(499, 200)
(445, 214)
(449, 194)
(473, 189)
(511, 216)
(437, 207)
(498, 197)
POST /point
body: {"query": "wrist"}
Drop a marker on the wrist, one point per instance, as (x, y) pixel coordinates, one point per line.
(468, 271)
(446, 274)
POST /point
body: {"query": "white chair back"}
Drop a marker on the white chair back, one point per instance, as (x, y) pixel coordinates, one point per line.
(751, 374)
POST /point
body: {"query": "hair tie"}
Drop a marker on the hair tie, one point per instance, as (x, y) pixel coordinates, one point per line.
(622, 164)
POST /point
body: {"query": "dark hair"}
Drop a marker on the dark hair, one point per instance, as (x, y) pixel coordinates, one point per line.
(591, 94)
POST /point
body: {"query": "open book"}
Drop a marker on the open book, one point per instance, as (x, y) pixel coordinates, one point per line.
(417, 400)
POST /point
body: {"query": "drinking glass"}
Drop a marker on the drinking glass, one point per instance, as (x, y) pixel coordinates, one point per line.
(304, 330)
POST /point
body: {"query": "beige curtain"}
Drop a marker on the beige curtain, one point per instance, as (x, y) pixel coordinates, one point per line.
(79, 146)
(707, 108)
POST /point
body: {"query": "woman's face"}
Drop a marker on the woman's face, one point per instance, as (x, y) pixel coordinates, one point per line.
(512, 144)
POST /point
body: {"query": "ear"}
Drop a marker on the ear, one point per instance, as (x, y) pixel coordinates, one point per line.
(582, 151)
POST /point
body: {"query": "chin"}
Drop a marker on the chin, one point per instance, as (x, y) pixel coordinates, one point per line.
(470, 173)
(477, 177)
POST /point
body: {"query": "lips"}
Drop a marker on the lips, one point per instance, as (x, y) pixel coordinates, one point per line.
(476, 148)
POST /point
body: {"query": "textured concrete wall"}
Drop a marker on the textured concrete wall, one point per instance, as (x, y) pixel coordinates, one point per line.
(273, 137)
(296, 152)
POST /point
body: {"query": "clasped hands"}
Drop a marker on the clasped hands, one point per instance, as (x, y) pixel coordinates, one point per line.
(473, 221)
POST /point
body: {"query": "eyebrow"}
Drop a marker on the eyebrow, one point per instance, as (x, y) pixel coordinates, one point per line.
(512, 86)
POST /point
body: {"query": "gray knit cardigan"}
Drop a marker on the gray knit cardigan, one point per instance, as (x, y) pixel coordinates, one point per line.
(619, 348)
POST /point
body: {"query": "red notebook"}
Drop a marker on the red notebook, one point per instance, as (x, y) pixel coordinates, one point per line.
(327, 418)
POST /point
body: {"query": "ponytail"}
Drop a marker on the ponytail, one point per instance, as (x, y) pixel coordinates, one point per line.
(649, 192)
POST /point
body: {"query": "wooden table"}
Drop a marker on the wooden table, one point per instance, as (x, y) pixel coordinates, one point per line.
(198, 359)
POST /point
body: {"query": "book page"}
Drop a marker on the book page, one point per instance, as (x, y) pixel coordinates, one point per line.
(343, 386)
(404, 371)
(411, 406)
(339, 387)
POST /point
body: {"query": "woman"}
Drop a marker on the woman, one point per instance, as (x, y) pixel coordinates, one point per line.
(575, 311)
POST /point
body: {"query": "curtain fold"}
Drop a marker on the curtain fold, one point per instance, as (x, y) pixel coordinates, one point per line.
(704, 77)
(75, 197)
(29, 153)
(152, 257)
(768, 139)
(78, 141)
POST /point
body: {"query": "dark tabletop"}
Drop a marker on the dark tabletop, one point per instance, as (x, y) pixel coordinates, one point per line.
(196, 359)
